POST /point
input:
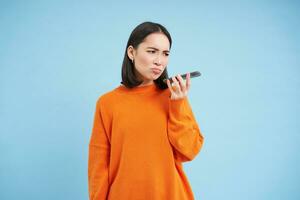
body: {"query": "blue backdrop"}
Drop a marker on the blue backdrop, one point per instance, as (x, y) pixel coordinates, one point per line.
(58, 57)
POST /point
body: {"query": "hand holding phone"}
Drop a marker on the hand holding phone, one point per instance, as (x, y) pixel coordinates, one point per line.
(192, 75)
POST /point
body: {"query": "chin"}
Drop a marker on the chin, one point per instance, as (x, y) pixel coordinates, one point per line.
(156, 76)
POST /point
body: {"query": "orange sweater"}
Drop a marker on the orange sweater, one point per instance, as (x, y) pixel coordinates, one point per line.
(139, 140)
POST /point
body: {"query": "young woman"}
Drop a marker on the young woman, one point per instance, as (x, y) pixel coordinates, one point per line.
(144, 129)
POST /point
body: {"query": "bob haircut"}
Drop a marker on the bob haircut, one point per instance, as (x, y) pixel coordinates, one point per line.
(137, 36)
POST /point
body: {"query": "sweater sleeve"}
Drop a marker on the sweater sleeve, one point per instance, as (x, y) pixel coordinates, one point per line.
(183, 131)
(98, 159)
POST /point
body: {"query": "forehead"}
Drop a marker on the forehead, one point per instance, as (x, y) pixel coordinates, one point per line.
(157, 40)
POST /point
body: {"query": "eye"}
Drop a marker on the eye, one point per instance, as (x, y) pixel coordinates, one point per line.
(151, 51)
(167, 54)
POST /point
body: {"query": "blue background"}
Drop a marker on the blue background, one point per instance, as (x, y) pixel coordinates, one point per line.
(58, 57)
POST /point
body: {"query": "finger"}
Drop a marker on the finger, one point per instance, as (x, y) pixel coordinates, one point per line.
(181, 82)
(176, 84)
(188, 81)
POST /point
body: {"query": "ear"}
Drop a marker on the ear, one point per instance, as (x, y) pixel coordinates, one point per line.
(130, 52)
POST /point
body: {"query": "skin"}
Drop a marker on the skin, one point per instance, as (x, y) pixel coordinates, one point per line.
(153, 52)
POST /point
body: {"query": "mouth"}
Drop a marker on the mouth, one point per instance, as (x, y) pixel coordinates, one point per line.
(156, 71)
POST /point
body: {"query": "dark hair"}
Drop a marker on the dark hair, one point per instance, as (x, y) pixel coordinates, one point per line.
(137, 36)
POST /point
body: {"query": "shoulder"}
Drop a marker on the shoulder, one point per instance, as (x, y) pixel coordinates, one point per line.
(107, 99)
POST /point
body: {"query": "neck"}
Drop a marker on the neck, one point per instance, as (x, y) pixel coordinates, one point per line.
(145, 83)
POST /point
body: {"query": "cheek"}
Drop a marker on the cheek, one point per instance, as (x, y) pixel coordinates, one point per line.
(146, 59)
(166, 61)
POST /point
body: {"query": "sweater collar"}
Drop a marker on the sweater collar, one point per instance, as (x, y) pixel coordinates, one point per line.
(139, 89)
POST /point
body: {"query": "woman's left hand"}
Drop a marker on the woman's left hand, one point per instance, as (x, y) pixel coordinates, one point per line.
(179, 89)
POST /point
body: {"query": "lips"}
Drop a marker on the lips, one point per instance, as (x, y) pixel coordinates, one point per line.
(156, 70)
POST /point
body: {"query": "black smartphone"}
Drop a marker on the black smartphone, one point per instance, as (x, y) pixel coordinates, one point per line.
(192, 75)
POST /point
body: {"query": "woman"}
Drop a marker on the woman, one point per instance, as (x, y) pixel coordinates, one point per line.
(143, 129)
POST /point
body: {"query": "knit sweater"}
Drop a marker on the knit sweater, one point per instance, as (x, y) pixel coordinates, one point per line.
(139, 140)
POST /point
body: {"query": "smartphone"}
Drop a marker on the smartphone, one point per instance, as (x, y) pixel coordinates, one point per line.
(192, 75)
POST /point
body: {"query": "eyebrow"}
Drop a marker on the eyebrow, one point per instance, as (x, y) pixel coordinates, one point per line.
(157, 49)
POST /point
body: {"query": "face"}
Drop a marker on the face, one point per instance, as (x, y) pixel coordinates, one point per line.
(151, 57)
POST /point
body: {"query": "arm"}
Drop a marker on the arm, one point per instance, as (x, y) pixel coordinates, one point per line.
(98, 161)
(183, 131)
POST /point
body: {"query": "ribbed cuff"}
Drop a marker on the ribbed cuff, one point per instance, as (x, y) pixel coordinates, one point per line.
(177, 106)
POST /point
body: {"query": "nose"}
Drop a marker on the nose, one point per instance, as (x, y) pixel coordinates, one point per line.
(158, 60)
